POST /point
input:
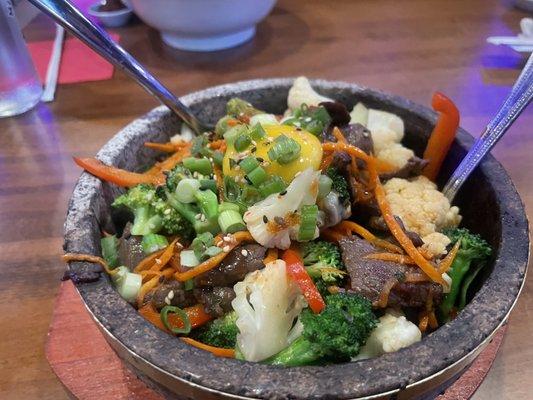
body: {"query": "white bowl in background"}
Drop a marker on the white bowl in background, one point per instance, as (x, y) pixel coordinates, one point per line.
(111, 19)
(203, 25)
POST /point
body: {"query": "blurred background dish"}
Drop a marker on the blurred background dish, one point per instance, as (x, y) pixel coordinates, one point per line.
(111, 13)
(203, 25)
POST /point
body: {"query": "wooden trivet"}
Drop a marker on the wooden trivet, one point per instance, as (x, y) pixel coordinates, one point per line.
(90, 370)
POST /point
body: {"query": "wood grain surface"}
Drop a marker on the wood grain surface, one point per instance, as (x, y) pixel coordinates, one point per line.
(408, 47)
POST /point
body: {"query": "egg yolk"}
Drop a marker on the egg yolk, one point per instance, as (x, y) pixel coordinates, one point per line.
(310, 153)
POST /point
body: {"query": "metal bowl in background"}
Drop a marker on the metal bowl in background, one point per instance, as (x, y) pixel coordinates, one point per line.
(489, 203)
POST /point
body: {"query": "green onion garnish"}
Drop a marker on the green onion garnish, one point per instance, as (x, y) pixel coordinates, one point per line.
(257, 132)
(233, 132)
(188, 258)
(284, 150)
(153, 242)
(308, 219)
(186, 190)
(222, 125)
(208, 202)
(242, 142)
(218, 157)
(257, 176)
(188, 284)
(201, 165)
(183, 316)
(212, 251)
(324, 186)
(208, 184)
(274, 185)
(224, 206)
(249, 164)
(110, 250)
(230, 221)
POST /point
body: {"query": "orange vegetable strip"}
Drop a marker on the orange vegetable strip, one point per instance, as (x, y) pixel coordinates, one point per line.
(161, 261)
(443, 134)
(423, 322)
(112, 174)
(213, 262)
(379, 165)
(197, 316)
(147, 262)
(70, 257)
(272, 255)
(217, 144)
(149, 313)
(217, 351)
(414, 278)
(393, 257)
(432, 319)
(145, 288)
(168, 147)
(147, 275)
(383, 298)
(326, 161)
(166, 165)
(331, 235)
(337, 133)
(398, 233)
(350, 226)
(447, 262)
(297, 273)
(233, 122)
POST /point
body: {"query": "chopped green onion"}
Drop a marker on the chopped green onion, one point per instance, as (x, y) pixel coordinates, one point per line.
(199, 143)
(274, 185)
(250, 195)
(230, 221)
(188, 284)
(127, 283)
(218, 157)
(201, 243)
(110, 250)
(257, 176)
(324, 186)
(257, 132)
(212, 251)
(249, 164)
(222, 125)
(201, 165)
(209, 184)
(242, 142)
(308, 219)
(284, 150)
(188, 258)
(208, 202)
(224, 206)
(153, 242)
(232, 133)
(183, 316)
(264, 119)
(186, 190)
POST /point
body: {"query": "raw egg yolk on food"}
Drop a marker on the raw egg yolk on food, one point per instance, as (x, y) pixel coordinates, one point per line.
(310, 153)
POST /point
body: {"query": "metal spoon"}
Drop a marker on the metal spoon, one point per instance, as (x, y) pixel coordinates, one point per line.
(520, 96)
(74, 21)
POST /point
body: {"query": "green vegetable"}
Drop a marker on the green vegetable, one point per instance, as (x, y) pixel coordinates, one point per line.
(193, 213)
(199, 146)
(222, 332)
(225, 206)
(324, 186)
(339, 184)
(239, 108)
(208, 184)
(153, 242)
(188, 258)
(336, 334)
(234, 132)
(257, 176)
(201, 243)
(218, 157)
(248, 164)
(222, 125)
(308, 218)
(257, 132)
(273, 185)
(230, 221)
(127, 283)
(183, 316)
(175, 175)
(109, 246)
(200, 165)
(474, 251)
(186, 190)
(284, 150)
(141, 201)
(323, 261)
(312, 119)
(242, 141)
(208, 202)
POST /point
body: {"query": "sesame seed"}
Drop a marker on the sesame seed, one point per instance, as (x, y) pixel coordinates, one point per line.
(202, 218)
(170, 295)
(226, 249)
(226, 239)
(158, 261)
(167, 211)
(167, 300)
(265, 219)
(244, 252)
(198, 216)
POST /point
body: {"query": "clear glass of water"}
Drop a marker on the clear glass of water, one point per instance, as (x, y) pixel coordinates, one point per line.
(20, 88)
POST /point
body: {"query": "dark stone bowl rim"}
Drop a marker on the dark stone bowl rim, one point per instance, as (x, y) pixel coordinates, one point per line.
(363, 378)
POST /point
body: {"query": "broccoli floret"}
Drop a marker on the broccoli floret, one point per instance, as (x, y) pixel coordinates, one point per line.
(175, 175)
(238, 108)
(173, 222)
(474, 251)
(222, 332)
(141, 201)
(191, 211)
(322, 260)
(336, 334)
(339, 184)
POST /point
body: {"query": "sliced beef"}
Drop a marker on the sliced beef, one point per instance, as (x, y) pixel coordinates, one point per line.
(179, 296)
(234, 267)
(355, 134)
(377, 222)
(216, 301)
(414, 167)
(130, 250)
(338, 112)
(368, 277)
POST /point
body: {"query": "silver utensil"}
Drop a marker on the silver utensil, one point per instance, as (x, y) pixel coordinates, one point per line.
(65, 14)
(53, 66)
(520, 96)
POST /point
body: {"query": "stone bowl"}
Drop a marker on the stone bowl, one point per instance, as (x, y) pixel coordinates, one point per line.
(490, 206)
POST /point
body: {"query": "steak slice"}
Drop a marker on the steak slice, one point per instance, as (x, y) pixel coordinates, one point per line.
(368, 277)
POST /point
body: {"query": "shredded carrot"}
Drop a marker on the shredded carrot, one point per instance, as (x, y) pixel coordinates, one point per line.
(145, 288)
(147, 275)
(217, 351)
(148, 261)
(432, 319)
(70, 257)
(338, 135)
(326, 161)
(161, 261)
(383, 298)
(415, 278)
(331, 235)
(196, 314)
(213, 262)
(218, 145)
(392, 257)
(423, 321)
(352, 227)
(272, 255)
(447, 262)
(425, 253)
(149, 313)
(398, 233)
(233, 122)
(168, 147)
(169, 163)
(108, 173)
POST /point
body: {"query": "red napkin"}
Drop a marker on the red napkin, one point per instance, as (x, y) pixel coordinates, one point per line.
(78, 62)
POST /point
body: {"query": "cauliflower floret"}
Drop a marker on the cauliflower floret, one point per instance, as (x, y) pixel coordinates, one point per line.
(392, 333)
(382, 120)
(264, 119)
(273, 222)
(435, 243)
(395, 154)
(186, 135)
(422, 208)
(267, 304)
(301, 92)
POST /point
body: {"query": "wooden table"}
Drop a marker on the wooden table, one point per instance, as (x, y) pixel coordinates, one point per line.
(408, 47)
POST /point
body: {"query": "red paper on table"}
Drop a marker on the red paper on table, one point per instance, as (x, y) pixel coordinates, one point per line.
(78, 62)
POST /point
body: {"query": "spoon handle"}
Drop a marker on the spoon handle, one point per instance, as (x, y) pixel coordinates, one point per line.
(520, 96)
(65, 14)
